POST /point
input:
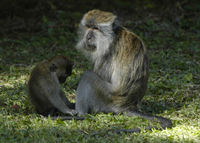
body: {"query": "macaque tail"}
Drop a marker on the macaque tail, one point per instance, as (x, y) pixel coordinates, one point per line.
(67, 118)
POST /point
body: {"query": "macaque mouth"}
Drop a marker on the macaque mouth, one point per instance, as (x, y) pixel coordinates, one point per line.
(89, 46)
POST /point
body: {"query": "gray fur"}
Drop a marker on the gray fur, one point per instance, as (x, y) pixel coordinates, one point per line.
(44, 87)
(120, 72)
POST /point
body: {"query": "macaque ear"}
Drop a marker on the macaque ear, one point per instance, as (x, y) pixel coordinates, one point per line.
(115, 25)
(53, 67)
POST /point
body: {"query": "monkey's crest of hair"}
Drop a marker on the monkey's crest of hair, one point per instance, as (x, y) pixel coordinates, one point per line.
(100, 17)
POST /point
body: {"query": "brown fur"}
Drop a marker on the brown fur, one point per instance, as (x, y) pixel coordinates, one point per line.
(121, 69)
(44, 89)
(99, 16)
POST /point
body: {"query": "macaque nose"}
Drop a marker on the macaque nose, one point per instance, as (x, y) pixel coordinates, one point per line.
(90, 35)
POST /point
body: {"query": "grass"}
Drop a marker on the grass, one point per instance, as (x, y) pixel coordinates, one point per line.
(173, 43)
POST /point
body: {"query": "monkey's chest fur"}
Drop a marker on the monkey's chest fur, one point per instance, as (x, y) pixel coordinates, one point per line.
(126, 68)
(118, 74)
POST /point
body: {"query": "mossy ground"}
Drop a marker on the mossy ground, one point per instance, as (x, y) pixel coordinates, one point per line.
(172, 36)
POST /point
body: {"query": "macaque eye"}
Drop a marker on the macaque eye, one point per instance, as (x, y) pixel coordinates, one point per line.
(88, 26)
(95, 27)
(92, 26)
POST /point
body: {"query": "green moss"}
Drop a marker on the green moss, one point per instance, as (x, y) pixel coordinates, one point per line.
(174, 85)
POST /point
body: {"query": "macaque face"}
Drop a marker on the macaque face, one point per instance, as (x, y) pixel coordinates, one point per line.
(91, 36)
(96, 34)
(62, 66)
(64, 72)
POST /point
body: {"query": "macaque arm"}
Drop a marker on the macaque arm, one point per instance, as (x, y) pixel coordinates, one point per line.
(59, 103)
(56, 100)
(67, 102)
(103, 87)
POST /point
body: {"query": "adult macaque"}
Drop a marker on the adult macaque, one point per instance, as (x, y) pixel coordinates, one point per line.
(44, 89)
(120, 68)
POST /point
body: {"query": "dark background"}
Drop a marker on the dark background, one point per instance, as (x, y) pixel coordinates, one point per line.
(34, 30)
(26, 16)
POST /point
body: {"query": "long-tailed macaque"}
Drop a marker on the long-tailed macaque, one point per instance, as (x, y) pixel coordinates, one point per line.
(120, 69)
(44, 89)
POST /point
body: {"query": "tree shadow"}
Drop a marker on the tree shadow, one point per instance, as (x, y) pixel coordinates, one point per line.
(62, 133)
(155, 107)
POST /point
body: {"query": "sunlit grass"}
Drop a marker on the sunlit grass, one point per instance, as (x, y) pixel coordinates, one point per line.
(173, 90)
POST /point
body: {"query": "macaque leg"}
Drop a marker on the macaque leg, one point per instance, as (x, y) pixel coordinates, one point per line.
(87, 100)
